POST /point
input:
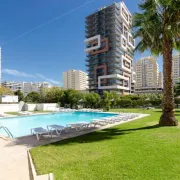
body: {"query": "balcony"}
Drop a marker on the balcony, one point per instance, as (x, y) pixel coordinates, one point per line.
(91, 64)
(123, 42)
(91, 58)
(119, 30)
(90, 21)
(90, 69)
(90, 40)
(90, 79)
(131, 41)
(124, 13)
(115, 71)
(125, 64)
(114, 54)
(113, 85)
(114, 66)
(114, 60)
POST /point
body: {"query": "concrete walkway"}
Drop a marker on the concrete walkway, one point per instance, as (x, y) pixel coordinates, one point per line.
(13, 161)
(13, 152)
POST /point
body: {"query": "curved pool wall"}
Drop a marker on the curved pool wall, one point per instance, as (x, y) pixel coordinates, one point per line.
(21, 125)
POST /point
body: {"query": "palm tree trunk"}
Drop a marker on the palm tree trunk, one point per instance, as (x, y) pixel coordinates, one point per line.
(167, 117)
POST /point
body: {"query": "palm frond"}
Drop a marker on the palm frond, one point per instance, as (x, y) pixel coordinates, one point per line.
(177, 45)
(148, 25)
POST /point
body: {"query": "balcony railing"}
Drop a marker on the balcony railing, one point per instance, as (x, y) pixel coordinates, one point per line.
(89, 70)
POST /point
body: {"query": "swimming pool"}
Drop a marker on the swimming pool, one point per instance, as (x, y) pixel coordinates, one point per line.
(20, 126)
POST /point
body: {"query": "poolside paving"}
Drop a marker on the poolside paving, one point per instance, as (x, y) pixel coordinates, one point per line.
(13, 152)
(14, 162)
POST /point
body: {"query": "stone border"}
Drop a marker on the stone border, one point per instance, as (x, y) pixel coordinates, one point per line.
(21, 116)
(34, 175)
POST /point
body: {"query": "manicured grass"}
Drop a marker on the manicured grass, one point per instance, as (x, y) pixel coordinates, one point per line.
(12, 113)
(135, 150)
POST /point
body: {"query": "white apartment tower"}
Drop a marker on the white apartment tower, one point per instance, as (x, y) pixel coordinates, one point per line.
(75, 79)
(176, 68)
(148, 77)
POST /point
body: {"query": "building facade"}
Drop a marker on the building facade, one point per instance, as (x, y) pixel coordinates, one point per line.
(176, 68)
(148, 77)
(109, 49)
(75, 79)
(26, 87)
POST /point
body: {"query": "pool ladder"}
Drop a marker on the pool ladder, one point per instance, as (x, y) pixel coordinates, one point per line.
(7, 131)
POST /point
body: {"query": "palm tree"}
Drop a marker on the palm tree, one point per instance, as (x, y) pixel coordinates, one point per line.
(157, 28)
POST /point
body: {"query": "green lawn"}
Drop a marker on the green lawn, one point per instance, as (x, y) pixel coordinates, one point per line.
(12, 113)
(134, 150)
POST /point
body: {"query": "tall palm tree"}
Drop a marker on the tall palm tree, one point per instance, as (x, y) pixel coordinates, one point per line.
(157, 28)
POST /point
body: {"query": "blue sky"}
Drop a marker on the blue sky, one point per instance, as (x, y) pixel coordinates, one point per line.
(46, 52)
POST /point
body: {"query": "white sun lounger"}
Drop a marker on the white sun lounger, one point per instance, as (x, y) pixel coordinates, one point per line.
(40, 131)
(25, 113)
(112, 119)
(78, 126)
(29, 113)
(2, 114)
(22, 113)
(57, 128)
(99, 122)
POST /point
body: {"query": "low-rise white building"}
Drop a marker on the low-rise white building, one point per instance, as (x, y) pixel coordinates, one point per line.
(26, 87)
(75, 79)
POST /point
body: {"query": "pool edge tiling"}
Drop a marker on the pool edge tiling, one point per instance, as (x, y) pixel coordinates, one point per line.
(21, 125)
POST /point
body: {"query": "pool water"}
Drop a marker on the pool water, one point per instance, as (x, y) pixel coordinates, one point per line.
(21, 126)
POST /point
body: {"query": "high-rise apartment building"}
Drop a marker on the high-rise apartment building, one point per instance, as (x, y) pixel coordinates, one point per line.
(26, 87)
(160, 80)
(176, 69)
(109, 48)
(148, 77)
(0, 68)
(75, 79)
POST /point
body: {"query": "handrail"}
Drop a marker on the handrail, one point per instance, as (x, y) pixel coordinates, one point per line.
(6, 130)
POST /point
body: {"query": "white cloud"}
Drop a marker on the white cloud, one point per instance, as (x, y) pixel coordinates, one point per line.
(16, 73)
(23, 74)
(48, 79)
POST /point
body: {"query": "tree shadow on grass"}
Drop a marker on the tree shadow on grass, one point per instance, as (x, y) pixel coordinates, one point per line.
(177, 110)
(105, 134)
(68, 139)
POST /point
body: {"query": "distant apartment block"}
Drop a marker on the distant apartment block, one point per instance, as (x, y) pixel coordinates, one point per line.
(176, 68)
(26, 87)
(148, 77)
(133, 81)
(109, 49)
(75, 79)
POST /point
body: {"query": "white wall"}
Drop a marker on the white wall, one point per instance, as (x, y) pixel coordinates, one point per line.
(9, 107)
(30, 107)
(47, 106)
